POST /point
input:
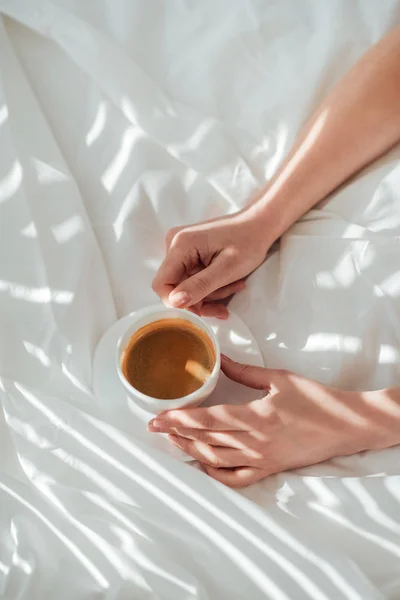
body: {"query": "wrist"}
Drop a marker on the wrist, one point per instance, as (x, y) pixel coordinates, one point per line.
(265, 219)
(294, 190)
(382, 418)
(275, 210)
(371, 420)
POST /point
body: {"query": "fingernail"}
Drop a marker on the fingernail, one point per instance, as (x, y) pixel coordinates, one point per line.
(173, 439)
(154, 425)
(179, 299)
(225, 357)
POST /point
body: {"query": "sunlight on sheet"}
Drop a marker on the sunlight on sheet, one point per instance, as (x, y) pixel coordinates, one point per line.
(324, 565)
(91, 568)
(341, 520)
(97, 125)
(322, 492)
(127, 205)
(323, 342)
(102, 482)
(195, 140)
(281, 136)
(258, 576)
(11, 182)
(343, 275)
(29, 432)
(29, 231)
(152, 263)
(37, 353)
(68, 229)
(222, 542)
(132, 114)
(16, 559)
(103, 503)
(113, 172)
(305, 146)
(129, 110)
(188, 178)
(391, 285)
(238, 340)
(271, 526)
(131, 549)
(370, 505)
(388, 355)
(3, 114)
(14, 533)
(47, 173)
(291, 569)
(103, 546)
(21, 563)
(74, 380)
(392, 484)
(36, 294)
(283, 497)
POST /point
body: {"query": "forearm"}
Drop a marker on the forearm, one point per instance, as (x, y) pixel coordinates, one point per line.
(358, 121)
(380, 417)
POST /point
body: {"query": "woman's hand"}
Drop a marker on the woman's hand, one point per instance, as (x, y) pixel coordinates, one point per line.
(208, 261)
(299, 422)
(358, 121)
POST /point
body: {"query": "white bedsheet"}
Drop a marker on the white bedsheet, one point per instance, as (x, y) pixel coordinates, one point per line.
(118, 120)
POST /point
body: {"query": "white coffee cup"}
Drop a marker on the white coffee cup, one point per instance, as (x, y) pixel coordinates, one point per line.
(150, 315)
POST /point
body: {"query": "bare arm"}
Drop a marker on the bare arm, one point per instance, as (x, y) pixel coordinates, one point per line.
(357, 122)
(299, 422)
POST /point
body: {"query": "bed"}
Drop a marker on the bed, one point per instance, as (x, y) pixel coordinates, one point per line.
(118, 120)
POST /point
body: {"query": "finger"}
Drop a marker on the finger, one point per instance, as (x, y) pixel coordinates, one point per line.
(227, 290)
(181, 300)
(194, 310)
(214, 456)
(229, 439)
(202, 284)
(220, 418)
(235, 478)
(254, 377)
(213, 309)
(170, 273)
(170, 236)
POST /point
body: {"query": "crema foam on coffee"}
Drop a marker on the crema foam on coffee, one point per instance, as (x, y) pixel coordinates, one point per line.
(168, 359)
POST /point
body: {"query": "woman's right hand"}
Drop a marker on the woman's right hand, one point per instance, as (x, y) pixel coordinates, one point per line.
(208, 262)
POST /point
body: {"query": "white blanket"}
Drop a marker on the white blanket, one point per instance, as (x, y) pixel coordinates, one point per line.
(118, 120)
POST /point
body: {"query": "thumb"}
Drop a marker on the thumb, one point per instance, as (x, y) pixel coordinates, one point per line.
(194, 289)
(254, 377)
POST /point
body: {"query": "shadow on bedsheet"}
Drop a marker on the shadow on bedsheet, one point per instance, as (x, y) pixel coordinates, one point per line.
(113, 510)
(358, 513)
(99, 491)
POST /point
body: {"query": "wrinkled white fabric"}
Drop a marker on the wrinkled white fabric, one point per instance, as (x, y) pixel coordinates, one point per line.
(119, 120)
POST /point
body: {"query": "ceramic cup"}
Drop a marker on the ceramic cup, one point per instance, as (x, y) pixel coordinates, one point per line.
(157, 405)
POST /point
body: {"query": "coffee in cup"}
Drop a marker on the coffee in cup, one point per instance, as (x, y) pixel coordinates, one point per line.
(168, 359)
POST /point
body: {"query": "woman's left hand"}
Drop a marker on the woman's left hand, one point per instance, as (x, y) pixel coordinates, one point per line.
(298, 422)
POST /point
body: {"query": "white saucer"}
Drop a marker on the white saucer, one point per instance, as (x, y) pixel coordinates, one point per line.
(235, 340)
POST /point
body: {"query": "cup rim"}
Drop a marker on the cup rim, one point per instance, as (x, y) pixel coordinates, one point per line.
(172, 402)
